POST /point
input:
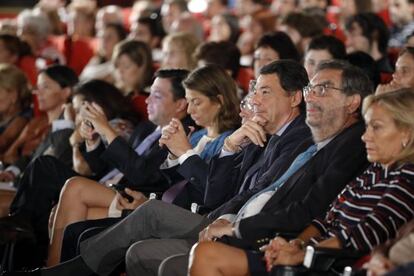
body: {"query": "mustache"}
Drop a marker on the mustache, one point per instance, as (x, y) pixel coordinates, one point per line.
(313, 106)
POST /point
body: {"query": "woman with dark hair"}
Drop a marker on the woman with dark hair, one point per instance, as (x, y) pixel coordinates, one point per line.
(100, 66)
(214, 106)
(403, 77)
(104, 98)
(224, 27)
(134, 71)
(271, 47)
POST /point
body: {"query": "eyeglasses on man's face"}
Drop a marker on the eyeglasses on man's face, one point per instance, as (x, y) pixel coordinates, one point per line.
(318, 90)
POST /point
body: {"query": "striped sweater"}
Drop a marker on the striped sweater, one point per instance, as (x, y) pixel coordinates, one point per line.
(371, 208)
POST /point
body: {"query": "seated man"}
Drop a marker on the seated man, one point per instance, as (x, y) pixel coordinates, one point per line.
(303, 192)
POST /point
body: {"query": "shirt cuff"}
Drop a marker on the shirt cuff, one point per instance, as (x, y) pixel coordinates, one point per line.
(93, 147)
(229, 217)
(225, 153)
(236, 229)
(14, 169)
(184, 156)
(62, 124)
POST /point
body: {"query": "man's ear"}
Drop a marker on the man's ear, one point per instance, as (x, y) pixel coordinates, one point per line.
(296, 99)
(354, 103)
(181, 105)
(221, 99)
(67, 91)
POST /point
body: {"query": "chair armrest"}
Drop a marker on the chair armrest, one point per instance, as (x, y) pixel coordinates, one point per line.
(325, 259)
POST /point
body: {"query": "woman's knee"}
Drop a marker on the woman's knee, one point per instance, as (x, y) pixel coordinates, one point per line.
(73, 187)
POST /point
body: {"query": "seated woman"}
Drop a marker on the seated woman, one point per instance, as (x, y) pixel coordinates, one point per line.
(368, 212)
(113, 104)
(403, 76)
(133, 71)
(100, 66)
(212, 104)
(15, 104)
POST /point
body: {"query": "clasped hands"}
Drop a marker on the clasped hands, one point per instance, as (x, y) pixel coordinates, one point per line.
(282, 252)
(173, 136)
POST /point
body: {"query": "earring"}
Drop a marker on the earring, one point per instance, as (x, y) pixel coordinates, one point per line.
(404, 144)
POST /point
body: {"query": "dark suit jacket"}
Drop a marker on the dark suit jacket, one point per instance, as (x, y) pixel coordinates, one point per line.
(231, 175)
(308, 193)
(141, 172)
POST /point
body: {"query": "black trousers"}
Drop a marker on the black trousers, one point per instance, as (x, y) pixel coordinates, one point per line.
(77, 232)
(38, 191)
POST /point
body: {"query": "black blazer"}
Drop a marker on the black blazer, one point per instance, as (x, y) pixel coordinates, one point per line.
(141, 172)
(231, 175)
(308, 193)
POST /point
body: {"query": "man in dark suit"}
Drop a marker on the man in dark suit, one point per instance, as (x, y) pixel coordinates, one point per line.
(139, 164)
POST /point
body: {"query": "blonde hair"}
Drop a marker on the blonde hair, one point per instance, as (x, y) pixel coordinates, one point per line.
(13, 79)
(187, 42)
(400, 105)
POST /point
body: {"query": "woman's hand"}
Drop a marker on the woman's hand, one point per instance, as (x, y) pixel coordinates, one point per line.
(281, 252)
(378, 265)
(92, 112)
(174, 138)
(123, 203)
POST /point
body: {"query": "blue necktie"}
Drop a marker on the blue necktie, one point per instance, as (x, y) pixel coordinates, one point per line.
(140, 149)
(300, 160)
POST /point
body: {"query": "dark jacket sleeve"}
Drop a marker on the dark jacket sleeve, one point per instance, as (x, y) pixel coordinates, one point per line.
(62, 149)
(140, 170)
(94, 160)
(222, 180)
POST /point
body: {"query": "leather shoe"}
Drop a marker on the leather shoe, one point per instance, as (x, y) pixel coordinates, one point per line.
(35, 272)
(14, 228)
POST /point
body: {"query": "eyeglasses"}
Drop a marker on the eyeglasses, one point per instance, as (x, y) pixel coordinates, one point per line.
(319, 90)
(246, 103)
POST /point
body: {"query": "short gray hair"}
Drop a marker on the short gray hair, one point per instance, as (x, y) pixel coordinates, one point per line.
(37, 21)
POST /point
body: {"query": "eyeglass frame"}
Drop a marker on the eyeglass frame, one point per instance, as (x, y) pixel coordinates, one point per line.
(324, 87)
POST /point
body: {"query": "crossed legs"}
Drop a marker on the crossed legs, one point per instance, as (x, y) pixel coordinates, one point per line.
(80, 199)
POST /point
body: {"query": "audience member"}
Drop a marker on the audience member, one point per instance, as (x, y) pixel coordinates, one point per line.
(171, 11)
(271, 47)
(224, 27)
(367, 32)
(15, 110)
(133, 68)
(178, 50)
(322, 48)
(403, 76)
(100, 66)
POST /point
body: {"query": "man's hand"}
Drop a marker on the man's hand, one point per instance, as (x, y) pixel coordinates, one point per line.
(217, 229)
(378, 265)
(123, 203)
(251, 131)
